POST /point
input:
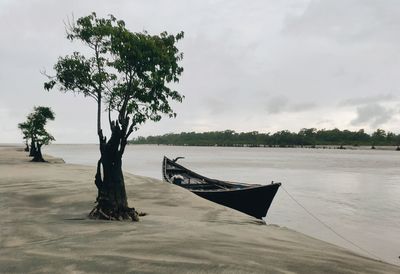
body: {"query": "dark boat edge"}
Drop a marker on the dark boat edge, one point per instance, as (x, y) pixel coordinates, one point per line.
(250, 199)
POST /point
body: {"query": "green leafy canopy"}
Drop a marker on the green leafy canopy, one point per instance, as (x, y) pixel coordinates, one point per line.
(129, 72)
(34, 126)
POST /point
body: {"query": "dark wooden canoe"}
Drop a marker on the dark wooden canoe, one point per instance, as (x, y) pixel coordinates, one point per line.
(253, 200)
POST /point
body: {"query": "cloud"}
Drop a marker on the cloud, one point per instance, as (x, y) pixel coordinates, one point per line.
(350, 21)
(279, 104)
(368, 100)
(303, 107)
(293, 59)
(216, 106)
(373, 114)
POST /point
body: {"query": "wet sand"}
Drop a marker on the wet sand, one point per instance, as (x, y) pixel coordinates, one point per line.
(44, 228)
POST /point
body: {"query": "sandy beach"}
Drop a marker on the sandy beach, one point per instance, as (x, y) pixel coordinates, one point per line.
(44, 229)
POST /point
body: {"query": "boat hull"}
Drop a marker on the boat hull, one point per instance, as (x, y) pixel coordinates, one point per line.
(254, 200)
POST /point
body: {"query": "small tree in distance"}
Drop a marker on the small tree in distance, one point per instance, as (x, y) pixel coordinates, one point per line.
(25, 133)
(128, 73)
(34, 129)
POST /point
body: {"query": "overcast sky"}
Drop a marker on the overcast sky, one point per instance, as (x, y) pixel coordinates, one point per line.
(249, 65)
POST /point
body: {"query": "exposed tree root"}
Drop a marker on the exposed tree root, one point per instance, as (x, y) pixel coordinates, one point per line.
(38, 160)
(122, 215)
(111, 201)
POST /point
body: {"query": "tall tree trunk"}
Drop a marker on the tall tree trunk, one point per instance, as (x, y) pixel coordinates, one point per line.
(33, 149)
(26, 146)
(37, 157)
(112, 202)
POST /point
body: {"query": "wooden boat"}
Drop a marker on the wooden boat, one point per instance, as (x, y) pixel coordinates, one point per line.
(253, 200)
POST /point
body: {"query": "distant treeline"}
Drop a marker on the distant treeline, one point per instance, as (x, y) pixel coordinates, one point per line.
(284, 138)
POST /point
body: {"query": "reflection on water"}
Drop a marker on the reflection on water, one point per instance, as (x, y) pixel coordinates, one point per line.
(355, 192)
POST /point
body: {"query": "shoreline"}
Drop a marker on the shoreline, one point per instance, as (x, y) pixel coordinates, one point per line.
(335, 147)
(45, 229)
(318, 147)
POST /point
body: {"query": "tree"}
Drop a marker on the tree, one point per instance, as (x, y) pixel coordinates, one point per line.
(27, 131)
(34, 129)
(378, 137)
(128, 73)
(307, 136)
(24, 128)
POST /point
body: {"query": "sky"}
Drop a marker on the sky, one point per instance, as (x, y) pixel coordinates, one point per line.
(248, 65)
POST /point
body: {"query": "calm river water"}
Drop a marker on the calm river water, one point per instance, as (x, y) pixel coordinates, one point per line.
(355, 192)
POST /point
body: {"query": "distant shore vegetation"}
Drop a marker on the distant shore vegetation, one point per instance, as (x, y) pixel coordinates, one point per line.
(309, 137)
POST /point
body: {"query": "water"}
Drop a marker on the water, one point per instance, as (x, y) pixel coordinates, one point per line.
(356, 192)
